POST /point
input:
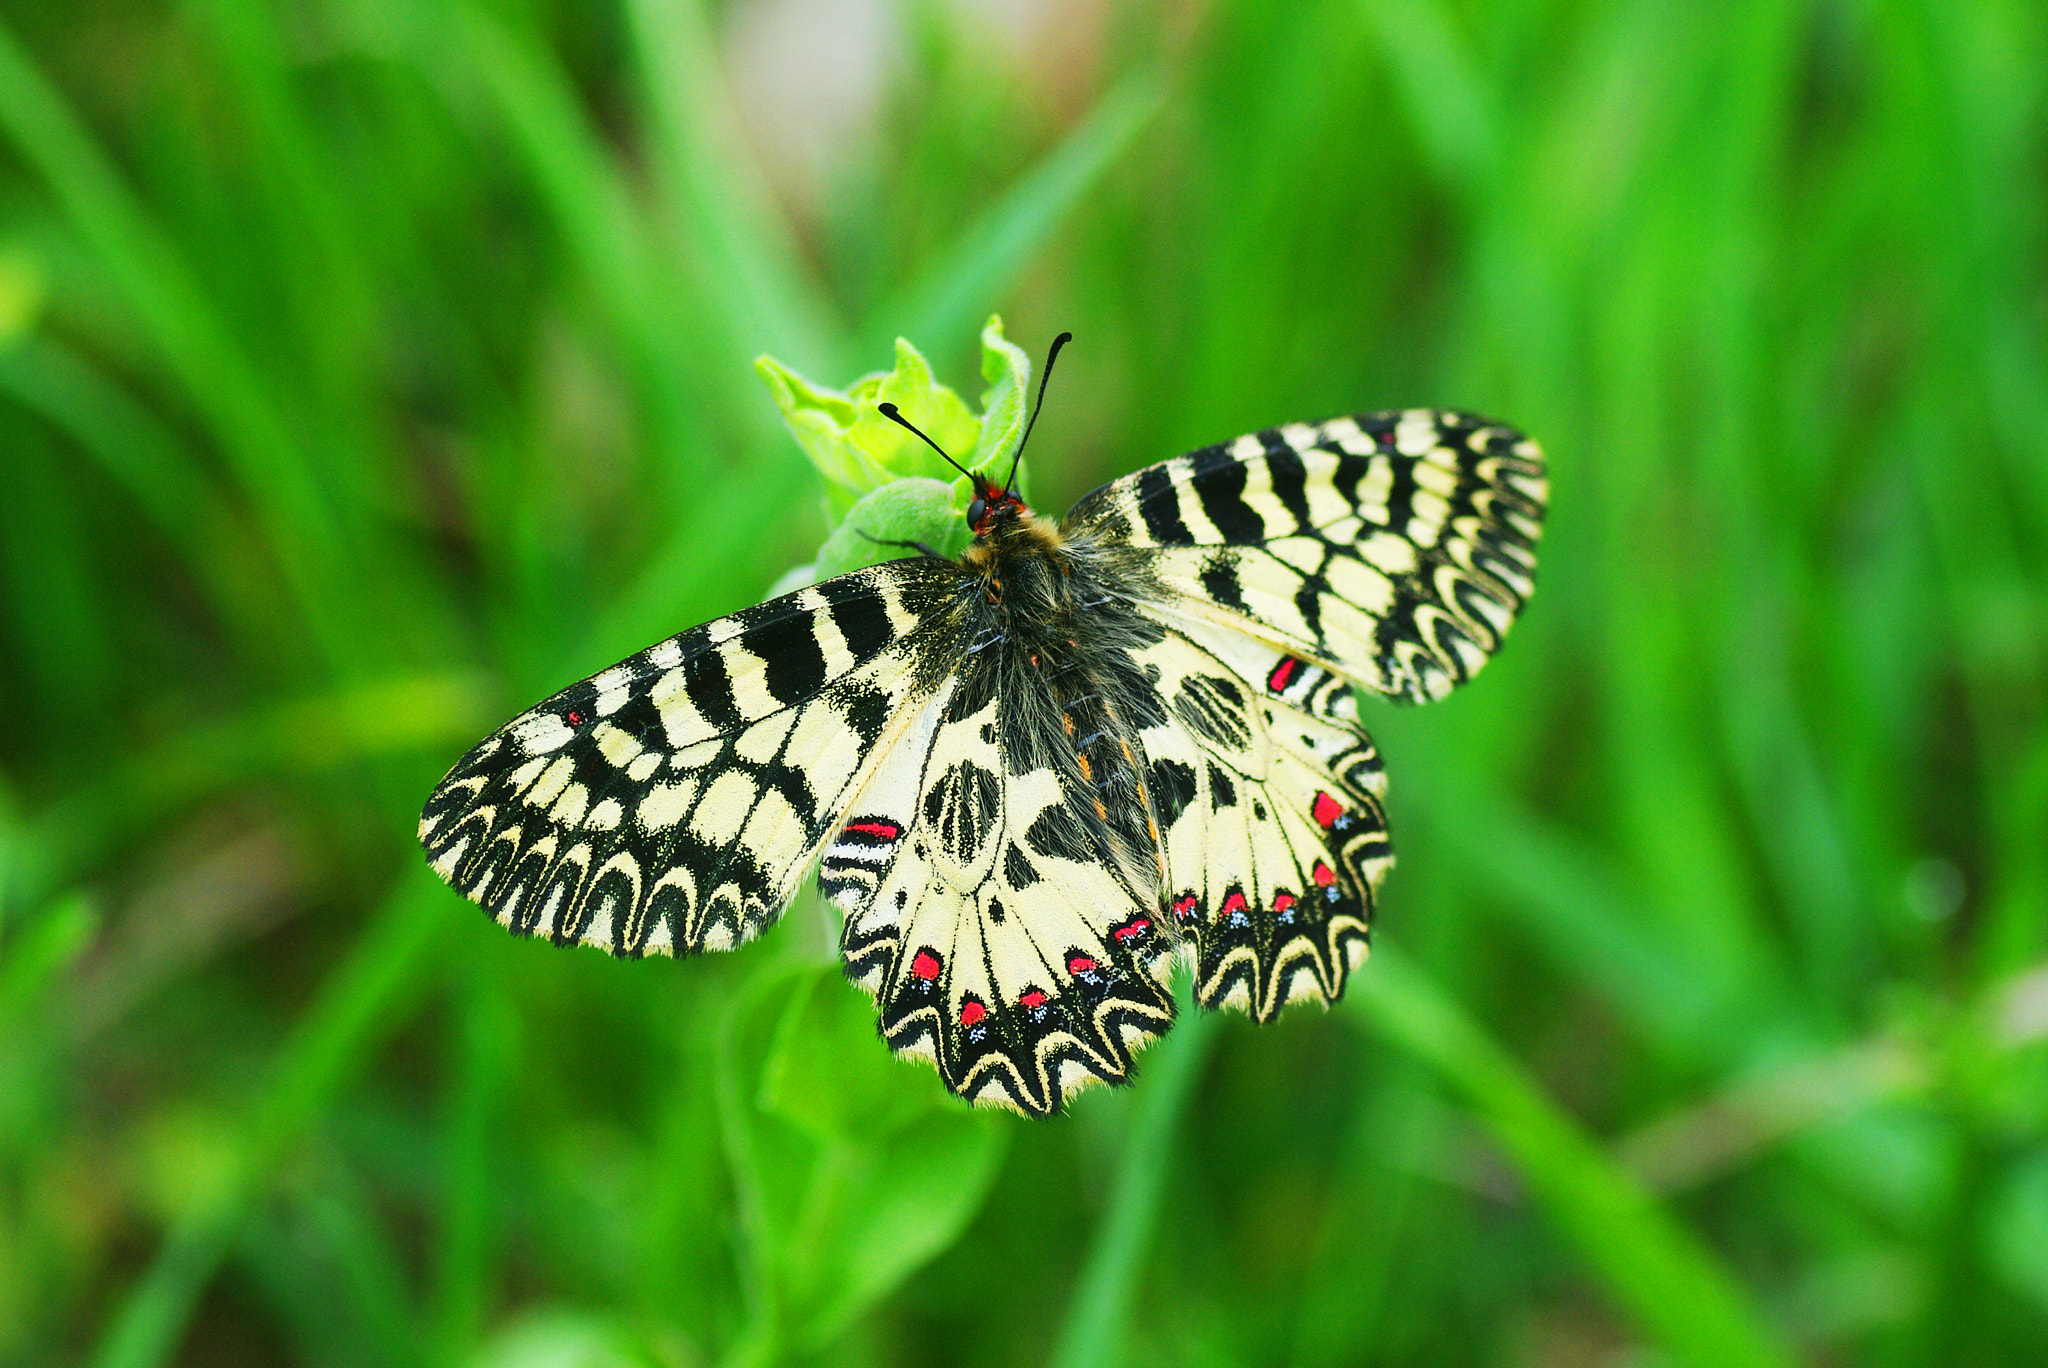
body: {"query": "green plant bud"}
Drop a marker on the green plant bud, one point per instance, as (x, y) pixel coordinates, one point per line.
(882, 484)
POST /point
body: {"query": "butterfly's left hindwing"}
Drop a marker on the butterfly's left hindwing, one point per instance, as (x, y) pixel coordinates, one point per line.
(670, 804)
(988, 906)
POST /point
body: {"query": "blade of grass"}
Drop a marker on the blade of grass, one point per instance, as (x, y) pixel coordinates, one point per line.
(602, 224)
(1669, 1284)
(482, 1051)
(155, 469)
(1575, 909)
(753, 272)
(327, 280)
(191, 339)
(951, 297)
(1446, 101)
(384, 718)
(32, 958)
(371, 994)
(717, 560)
(1092, 1333)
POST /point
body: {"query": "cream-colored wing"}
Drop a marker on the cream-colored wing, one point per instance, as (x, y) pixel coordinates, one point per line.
(1267, 800)
(1397, 547)
(1002, 939)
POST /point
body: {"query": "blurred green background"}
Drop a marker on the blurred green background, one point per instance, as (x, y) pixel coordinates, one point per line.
(370, 369)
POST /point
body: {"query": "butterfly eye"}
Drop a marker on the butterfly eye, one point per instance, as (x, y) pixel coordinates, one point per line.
(976, 511)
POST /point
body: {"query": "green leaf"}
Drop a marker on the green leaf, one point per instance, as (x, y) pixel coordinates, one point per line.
(1653, 1267)
(853, 1169)
(1004, 403)
(886, 484)
(908, 510)
(823, 1072)
(848, 439)
(372, 993)
(1094, 1330)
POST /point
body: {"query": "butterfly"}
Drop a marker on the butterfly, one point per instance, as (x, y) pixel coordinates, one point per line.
(1035, 777)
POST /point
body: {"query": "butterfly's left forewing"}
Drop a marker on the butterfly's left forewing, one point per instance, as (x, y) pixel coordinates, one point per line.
(671, 803)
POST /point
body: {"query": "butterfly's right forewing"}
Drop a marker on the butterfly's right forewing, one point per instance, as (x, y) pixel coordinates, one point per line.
(1395, 547)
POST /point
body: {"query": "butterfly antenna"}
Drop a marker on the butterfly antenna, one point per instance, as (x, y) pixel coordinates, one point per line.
(895, 415)
(1050, 357)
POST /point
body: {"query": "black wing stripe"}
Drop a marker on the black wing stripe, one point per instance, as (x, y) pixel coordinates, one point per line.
(1160, 508)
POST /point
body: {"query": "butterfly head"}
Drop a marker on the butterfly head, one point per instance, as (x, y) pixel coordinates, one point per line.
(991, 504)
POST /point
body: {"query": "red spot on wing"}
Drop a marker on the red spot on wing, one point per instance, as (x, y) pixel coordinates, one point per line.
(1282, 673)
(971, 1012)
(573, 718)
(1184, 906)
(1032, 998)
(887, 831)
(1132, 930)
(1234, 903)
(1323, 875)
(1282, 901)
(1080, 964)
(925, 966)
(1326, 811)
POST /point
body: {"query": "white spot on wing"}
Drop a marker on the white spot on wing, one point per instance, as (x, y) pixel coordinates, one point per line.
(552, 781)
(617, 677)
(1434, 477)
(598, 930)
(747, 674)
(1374, 489)
(525, 775)
(1395, 555)
(444, 864)
(665, 804)
(725, 806)
(1415, 433)
(1346, 433)
(570, 807)
(542, 733)
(615, 744)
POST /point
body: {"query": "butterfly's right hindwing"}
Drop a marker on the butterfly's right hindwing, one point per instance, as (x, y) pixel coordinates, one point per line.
(670, 803)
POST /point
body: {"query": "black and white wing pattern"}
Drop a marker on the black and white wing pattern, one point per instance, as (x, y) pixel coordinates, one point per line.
(1037, 777)
(999, 896)
(1389, 551)
(672, 803)
(1394, 547)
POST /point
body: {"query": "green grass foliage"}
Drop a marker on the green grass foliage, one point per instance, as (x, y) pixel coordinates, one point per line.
(369, 368)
